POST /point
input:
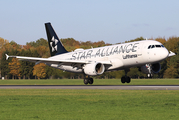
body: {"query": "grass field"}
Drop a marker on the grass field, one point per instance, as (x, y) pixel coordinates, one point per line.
(59, 104)
(96, 82)
(56, 104)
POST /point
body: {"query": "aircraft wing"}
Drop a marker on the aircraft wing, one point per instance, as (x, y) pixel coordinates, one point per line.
(52, 61)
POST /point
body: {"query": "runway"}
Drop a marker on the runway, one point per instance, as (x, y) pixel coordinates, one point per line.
(108, 87)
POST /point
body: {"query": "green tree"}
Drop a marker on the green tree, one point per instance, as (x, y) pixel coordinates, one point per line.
(137, 39)
(39, 42)
(5, 71)
(161, 40)
(170, 72)
(27, 67)
(14, 67)
(39, 70)
(3, 42)
(172, 63)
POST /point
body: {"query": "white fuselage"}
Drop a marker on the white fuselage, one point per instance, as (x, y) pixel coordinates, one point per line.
(121, 56)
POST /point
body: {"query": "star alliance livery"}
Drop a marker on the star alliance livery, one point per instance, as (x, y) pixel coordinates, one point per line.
(145, 54)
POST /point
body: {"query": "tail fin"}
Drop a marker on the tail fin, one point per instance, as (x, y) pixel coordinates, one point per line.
(55, 45)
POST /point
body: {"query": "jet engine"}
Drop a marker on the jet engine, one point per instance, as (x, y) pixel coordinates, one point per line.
(94, 69)
(151, 68)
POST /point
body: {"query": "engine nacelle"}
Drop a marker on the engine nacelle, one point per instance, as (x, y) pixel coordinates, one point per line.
(94, 69)
(151, 68)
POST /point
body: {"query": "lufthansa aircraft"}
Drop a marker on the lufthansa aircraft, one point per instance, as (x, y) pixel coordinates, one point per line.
(145, 54)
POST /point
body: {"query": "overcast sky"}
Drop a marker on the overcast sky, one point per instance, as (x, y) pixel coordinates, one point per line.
(112, 21)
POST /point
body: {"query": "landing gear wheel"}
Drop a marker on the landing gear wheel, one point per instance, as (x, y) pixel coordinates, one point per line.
(128, 79)
(90, 80)
(86, 81)
(123, 80)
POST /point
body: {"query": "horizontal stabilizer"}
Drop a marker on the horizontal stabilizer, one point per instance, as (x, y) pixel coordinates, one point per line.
(7, 56)
(171, 54)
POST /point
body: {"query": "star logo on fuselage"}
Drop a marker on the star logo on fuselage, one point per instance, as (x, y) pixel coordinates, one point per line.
(53, 44)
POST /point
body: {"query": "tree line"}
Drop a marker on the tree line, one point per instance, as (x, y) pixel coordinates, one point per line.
(16, 69)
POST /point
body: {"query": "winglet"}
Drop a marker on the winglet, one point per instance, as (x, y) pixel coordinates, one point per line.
(171, 54)
(7, 56)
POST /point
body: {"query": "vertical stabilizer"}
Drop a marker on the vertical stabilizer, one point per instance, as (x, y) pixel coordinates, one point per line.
(55, 45)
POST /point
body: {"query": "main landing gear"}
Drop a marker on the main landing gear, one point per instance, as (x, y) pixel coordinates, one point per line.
(126, 78)
(88, 80)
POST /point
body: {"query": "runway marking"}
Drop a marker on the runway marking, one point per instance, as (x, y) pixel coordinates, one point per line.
(117, 87)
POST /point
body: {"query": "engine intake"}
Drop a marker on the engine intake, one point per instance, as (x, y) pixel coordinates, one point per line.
(94, 69)
(151, 68)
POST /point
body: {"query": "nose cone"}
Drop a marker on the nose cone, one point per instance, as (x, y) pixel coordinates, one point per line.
(163, 53)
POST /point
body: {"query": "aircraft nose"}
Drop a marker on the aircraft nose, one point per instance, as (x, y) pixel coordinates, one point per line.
(164, 53)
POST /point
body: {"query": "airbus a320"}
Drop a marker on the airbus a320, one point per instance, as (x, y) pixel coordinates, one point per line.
(145, 54)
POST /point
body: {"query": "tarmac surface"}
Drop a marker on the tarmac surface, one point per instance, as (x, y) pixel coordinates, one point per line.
(117, 87)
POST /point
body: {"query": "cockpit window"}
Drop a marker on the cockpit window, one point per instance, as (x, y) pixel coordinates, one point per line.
(152, 46)
(155, 46)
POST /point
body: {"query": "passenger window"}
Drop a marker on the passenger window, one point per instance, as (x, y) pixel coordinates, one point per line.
(149, 47)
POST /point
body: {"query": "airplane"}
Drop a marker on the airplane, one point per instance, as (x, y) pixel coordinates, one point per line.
(145, 54)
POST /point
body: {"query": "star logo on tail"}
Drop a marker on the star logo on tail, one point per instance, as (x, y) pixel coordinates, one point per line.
(53, 44)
